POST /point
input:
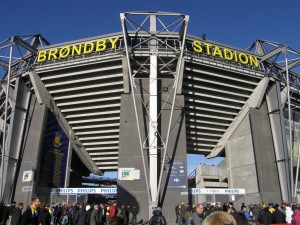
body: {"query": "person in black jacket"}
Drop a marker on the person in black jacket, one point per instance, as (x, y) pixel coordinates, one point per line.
(31, 214)
(44, 216)
(58, 214)
(134, 212)
(157, 218)
(101, 214)
(16, 214)
(2, 205)
(5, 214)
(279, 215)
(116, 220)
(267, 216)
(81, 216)
(123, 213)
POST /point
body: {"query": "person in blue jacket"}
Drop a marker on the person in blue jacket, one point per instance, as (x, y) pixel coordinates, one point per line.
(246, 213)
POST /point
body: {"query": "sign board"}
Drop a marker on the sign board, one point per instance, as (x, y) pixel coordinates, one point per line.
(128, 174)
(84, 190)
(26, 188)
(177, 177)
(27, 176)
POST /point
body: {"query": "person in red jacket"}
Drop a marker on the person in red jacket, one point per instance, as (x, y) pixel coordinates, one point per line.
(113, 210)
(296, 217)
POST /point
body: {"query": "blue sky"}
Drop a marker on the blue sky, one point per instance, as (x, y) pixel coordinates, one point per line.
(233, 22)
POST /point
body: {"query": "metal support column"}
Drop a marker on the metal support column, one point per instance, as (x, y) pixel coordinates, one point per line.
(3, 147)
(290, 126)
(153, 65)
(153, 125)
(14, 138)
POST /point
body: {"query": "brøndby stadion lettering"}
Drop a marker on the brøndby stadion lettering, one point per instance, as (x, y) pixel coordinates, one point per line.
(104, 44)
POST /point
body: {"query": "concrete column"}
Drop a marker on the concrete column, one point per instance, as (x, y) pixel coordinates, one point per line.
(31, 151)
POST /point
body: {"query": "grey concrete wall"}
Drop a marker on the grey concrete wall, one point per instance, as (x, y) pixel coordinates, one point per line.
(31, 151)
(250, 159)
(264, 152)
(176, 151)
(134, 192)
(240, 159)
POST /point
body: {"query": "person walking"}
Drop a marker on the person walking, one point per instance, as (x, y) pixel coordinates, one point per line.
(65, 215)
(45, 214)
(134, 212)
(246, 213)
(101, 214)
(289, 214)
(198, 215)
(123, 213)
(113, 211)
(58, 214)
(81, 216)
(157, 218)
(279, 215)
(296, 217)
(16, 214)
(107, 214)
(31, 214)
(182, 211)
(5, 214)
(2, 205)
(94, 220)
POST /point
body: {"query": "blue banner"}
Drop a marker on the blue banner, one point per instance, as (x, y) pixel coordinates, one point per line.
(54, 154)
(178, 174)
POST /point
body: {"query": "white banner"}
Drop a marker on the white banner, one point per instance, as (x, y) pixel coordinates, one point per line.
(84, 190)
(193, 191)
(216, 191)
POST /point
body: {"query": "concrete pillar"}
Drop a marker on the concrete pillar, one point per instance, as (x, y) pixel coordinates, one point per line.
(134, 192)
(31, 151)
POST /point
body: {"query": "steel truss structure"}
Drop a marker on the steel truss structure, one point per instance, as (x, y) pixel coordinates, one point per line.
(154, 67)
(25, 49)
(283, 63)
(84, 92)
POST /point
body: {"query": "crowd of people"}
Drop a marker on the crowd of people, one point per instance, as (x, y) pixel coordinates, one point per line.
(264, 214)
(38, 213)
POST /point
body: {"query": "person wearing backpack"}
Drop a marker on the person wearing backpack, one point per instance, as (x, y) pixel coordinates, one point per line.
(157, 218)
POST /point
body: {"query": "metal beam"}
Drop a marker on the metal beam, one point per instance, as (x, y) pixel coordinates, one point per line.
(275, 108)
(2, 125)
(260, 48)
(44, 97)
(269, 55)
(4, 64)
(180, 78)
(284, 95)
(15, 138)
(25, 45)
(291, 65)
(10, 93)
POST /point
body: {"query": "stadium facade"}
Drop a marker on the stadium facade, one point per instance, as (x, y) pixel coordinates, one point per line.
(138, 102)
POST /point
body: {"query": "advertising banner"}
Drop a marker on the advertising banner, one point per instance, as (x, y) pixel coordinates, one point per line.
(84, 190)
(54, 154)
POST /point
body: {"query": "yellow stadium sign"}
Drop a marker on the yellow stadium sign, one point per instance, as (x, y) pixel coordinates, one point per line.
(77, 49)
(225, 53)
